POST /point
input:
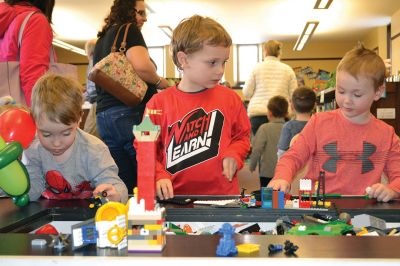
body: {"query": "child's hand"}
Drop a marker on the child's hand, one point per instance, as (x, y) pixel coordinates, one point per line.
(164, 189)
(229, 167)
(112, 193)
(279, 184)
(381, 192)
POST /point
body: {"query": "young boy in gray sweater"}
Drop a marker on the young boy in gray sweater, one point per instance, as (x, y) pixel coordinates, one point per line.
(264, 148)
(64, 162)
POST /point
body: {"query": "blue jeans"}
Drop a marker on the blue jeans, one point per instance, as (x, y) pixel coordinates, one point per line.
(115, 128)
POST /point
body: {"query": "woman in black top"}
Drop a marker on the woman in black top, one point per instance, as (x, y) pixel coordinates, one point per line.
(115, 120)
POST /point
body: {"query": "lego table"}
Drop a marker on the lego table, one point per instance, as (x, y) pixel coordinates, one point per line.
(16, 249)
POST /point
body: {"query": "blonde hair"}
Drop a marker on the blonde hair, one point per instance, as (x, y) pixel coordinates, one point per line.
(59, 98)
(273, 48)
(361, 62)
(193, 33)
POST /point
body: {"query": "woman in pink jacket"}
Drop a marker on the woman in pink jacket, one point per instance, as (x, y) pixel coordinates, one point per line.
(34, 53)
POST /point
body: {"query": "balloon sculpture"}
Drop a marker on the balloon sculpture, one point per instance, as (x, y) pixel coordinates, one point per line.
(17, 130)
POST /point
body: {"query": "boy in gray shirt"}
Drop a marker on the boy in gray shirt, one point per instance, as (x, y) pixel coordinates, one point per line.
(64, 162)
(264, 148)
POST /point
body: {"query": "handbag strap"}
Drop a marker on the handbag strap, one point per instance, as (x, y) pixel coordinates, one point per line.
(122, 47)
(21, 30)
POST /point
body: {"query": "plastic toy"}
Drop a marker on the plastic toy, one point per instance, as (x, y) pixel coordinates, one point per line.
(146, 229)
(146, 134)
(247, 250)
(17, 124)
(59, 242)
(146, 219)
(18, 129)
(274, 248)
(226, 246)
(290, 248)
(334, 228)
(111, 225)
(14, 179)
(47, 229)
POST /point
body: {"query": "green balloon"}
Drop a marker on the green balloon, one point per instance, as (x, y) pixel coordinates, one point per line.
(21, 201)
(14, 179)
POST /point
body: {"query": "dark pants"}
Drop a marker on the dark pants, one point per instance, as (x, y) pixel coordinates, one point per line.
(115, 128)
(256, 122)
(264, 181)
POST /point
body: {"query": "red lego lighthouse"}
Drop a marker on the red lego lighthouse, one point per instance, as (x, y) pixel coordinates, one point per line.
(146, 134)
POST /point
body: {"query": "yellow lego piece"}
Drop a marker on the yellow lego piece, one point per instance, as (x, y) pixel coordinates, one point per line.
(153, 227)
(327, 205)
(248, 249)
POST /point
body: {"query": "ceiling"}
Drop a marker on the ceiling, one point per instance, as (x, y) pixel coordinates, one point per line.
(248, 21)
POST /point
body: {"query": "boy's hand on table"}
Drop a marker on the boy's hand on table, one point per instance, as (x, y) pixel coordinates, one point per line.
(229, 167)
(381, 192)
(164, 189)
(279, 184)
(112, 193)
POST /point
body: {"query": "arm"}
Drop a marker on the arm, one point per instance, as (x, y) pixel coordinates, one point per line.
(139, 57)
(295, 158)
(257, 148)
(33, 164)
(103, 173)
(383, 192)
(34, 52)
(292, 83)
(249, 87)
(240, 135)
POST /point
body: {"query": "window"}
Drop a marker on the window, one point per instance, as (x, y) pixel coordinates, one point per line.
(247, 55)
(157, 55)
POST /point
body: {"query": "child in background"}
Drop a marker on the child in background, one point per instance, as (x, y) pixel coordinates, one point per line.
(264, 150)
(64, 162)
(205, 131)
(349, 143)
(302, 103)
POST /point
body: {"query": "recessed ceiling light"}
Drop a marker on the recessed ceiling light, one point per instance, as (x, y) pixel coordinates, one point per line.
(322, 4)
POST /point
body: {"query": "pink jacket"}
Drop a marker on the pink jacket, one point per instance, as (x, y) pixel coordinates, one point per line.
(35, 45)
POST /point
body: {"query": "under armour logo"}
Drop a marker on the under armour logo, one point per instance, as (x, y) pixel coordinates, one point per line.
(331, 164)
(366, 164)
(368, 150)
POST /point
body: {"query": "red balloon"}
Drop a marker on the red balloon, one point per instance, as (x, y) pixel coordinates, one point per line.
(47, 229)
(17, 125)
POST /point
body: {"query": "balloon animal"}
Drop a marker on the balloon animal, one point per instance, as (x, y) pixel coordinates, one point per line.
(18, 129)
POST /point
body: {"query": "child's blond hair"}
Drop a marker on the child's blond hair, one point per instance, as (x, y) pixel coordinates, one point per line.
(361, 62)
(59, 98)
(193, 33)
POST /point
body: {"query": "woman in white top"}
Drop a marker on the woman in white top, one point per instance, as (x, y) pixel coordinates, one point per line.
(269, 78)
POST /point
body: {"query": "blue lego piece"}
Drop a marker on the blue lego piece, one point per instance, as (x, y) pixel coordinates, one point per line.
(281, 199)
(226, 246)
(266, 197)
(89, 234)
(274, 248)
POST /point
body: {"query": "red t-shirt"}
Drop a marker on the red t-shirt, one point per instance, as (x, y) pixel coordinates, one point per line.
(198, 130)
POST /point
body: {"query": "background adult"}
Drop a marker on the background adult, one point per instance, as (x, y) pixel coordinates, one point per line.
(114, 119)
(34, 54)
(269, 78)
(90, 93)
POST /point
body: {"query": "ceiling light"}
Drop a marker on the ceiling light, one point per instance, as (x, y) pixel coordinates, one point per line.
(167, 30)
(69, 47)
(305, 35)
(322, 4)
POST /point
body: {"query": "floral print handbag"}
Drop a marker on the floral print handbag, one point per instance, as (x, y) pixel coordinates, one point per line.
(117, 76)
